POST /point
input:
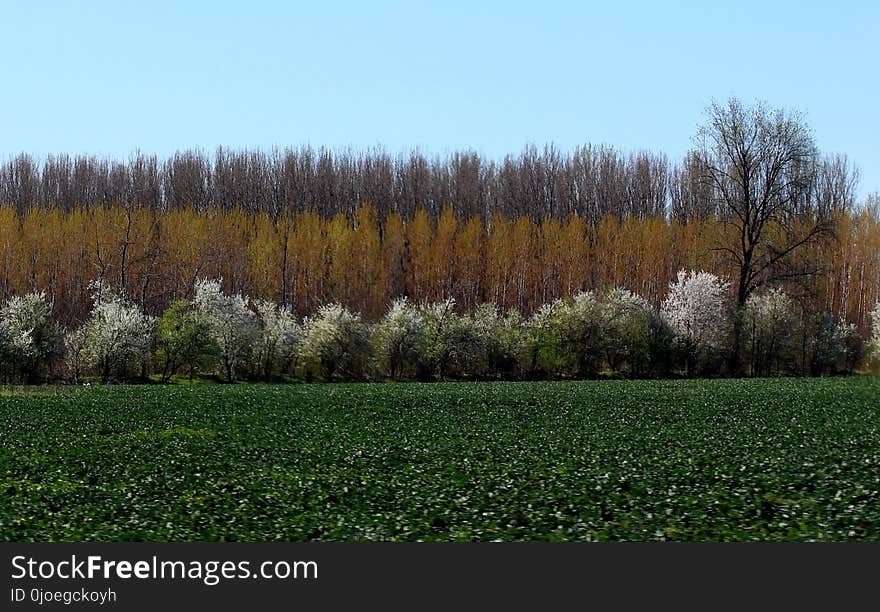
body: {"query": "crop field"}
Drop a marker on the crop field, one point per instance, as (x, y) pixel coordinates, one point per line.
(776, 459)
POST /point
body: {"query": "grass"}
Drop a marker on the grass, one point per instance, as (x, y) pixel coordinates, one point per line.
(783, 459)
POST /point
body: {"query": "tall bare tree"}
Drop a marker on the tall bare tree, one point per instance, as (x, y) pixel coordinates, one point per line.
(762, 166)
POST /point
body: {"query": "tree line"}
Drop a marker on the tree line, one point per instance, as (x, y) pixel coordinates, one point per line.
(366, 262)
(614, 332)
(754, 202)
(591, 182)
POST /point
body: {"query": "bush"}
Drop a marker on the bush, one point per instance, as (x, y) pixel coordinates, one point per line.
(625, 331)
(502, 338)
(698, 313)
(28, 336)
(770, 328)
(580, 327)
(454, 345)
(230, 323)
(183, 340)
(278, 340)
(837, 346)
(661, 340)
(852, 346)
(542, 340)
(335, 341)
(399, 340)
(115, 339)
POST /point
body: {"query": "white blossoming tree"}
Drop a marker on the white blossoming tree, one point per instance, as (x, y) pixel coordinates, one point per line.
(697, 310)
(231, 324)
(28, 336)
(837, 345)
(503, 339)
(116, 337)
(579, 324)
(850, 344)
(335, 340)
(542, 339)
(278, 340)
(455, 345)
(626, 330)
(769, 329)
(399, 339)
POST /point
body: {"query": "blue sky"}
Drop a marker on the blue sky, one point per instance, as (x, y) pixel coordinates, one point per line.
(107, 78)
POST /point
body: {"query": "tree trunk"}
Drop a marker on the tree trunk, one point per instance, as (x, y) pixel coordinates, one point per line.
(736, 368)
(228, 363)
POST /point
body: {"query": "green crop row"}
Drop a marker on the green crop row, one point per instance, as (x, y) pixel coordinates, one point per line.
(604, 460)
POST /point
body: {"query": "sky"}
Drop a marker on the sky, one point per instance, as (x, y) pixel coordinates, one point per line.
(110, 78)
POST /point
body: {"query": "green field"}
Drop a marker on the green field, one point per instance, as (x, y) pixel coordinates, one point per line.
(776, 459)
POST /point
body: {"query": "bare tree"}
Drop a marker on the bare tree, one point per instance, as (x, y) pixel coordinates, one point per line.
(690, 195)
(592, 182)
(762, 166)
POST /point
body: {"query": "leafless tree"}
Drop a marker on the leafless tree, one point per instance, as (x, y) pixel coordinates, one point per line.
(591, 182)
(762, 166)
